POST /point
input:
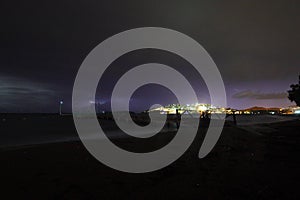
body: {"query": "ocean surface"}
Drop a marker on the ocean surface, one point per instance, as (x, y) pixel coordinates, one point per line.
(21, 131)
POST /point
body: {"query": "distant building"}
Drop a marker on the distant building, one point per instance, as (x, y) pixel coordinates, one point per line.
(291, 110)
(200, 108)
(261, 110)
(197, 108)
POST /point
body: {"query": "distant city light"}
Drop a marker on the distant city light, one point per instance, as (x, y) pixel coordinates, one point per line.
(202, 108)
(208, 108)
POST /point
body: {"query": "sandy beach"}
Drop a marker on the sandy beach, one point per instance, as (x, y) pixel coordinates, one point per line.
(242, 165)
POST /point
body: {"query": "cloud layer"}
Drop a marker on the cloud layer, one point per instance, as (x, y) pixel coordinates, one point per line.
(249, 94)
(17, 94)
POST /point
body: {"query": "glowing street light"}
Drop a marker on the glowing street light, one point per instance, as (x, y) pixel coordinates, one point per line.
(60, 106)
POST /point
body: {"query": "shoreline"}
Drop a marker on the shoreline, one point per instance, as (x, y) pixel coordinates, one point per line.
(241, 166)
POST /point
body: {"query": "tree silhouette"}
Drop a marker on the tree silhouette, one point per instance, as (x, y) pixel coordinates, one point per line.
(294, 93)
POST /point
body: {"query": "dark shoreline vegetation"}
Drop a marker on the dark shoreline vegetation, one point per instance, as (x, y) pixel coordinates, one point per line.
(242, 165)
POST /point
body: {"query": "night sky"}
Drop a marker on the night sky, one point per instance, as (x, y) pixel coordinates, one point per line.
(255, 45)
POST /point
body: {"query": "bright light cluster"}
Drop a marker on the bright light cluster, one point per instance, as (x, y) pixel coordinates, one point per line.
(191, 108)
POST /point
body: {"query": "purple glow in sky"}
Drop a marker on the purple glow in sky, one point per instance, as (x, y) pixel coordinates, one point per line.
(255, 45)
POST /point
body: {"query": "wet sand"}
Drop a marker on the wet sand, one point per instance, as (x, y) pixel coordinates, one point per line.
(242, 165)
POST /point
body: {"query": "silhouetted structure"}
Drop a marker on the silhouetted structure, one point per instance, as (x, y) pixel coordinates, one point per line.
(294, 93)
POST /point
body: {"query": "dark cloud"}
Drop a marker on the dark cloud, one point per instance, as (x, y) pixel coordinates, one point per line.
(46, 41)
(18, 94)
(249, 94)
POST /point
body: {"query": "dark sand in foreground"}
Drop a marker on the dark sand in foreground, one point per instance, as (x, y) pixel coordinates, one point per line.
(242, 165)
